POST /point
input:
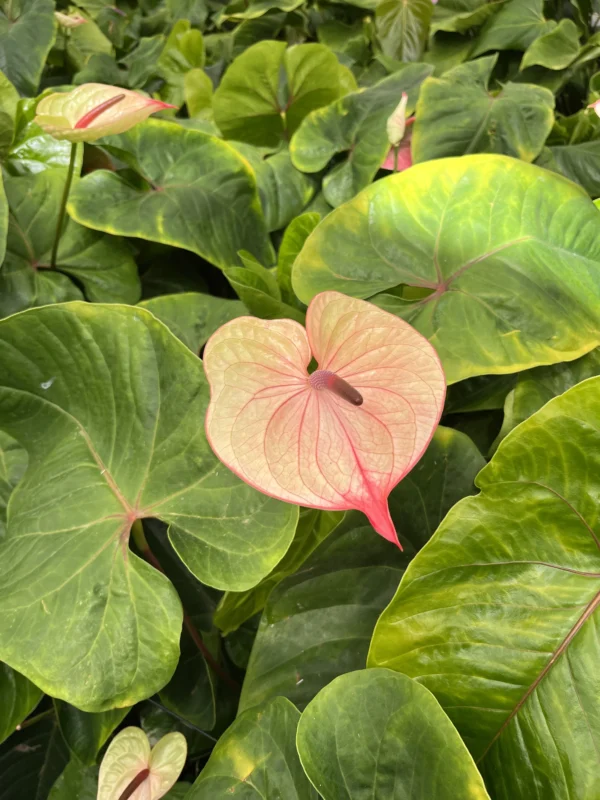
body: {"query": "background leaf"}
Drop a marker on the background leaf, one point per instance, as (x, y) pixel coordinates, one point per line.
(26, 36)
(402, 27)
(85, 734)
(31, 760)
(517, 24)
(357, 739)
(256, 756)
(18, 698)
(498, 615)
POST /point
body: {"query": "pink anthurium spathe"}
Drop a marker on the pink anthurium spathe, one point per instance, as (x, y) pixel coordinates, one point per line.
(403, 159)
(341, 437)
(93, 110)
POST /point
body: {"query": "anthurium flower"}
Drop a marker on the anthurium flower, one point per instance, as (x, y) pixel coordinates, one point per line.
(341, 437)
(69, 20)
(131, 769)
(93, 110)
(396, 123)
(403, 159)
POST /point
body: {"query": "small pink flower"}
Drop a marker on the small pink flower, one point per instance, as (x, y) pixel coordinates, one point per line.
(404, 154)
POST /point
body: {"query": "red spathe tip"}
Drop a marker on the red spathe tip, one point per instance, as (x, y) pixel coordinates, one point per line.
(380, 519)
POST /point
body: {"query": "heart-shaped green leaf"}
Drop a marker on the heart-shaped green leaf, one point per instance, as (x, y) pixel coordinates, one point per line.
(102, 265)
(376, 734)
(18, 698)
(112, 436)
(356, 124)
(554, 50)
(535, 387)
(318, 622)
(251, 106)
(507, 257)
(27, 30)
(514, 27)
(192, 316)
(129, 756)
(498, 616)
(256, 757)
(403, 27)
(457, 115)
(198, 194)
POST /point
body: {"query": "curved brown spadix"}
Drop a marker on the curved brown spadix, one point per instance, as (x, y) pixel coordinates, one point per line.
(93, 110)
(324, 379)
(88, 118)
(340, 438)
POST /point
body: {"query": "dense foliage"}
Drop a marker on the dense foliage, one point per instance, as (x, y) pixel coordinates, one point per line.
(142, 584)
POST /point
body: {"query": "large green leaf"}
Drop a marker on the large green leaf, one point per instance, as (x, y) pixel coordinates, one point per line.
(284, 190)
(313, 527)
(255, 104)
(457, 115)
(318, 622)
(509, 254)
(26, 36)
(9, 101)
(402, 27)
(256, 757)
(18, 698)
(109, 405)
(192, 316)
(31, 760)
(102, 265)
(458, 16)
(13, 460)
(514, 27)
(197, 193)
(84, 733)
(579, 162)
(498, 615)
(378, 735)
(535, 387)
(554, 50)
(356, 124)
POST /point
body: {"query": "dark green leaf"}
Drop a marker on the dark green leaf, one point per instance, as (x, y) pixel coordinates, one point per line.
(31, 760)
(577, 162)
(356, 124)
(458, 16)
(256, 757)
(192, 316)
(112, 436)
(26, 35)
(318, 622)
(84, 733)
(514, 27)
(200, 195)
(498, 615)
(457, 115)
(76, 782)
(102, 265)
(18, 698)
(377, 734)
(509, 253)
(402, 27)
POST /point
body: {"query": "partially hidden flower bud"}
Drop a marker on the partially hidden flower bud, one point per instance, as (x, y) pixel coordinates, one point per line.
(69, 20)
(396, 124)
(93, 110)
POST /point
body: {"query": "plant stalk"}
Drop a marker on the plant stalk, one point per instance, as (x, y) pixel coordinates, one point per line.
(37, 718)
(63, 205)
(396, 153)
(139, 537)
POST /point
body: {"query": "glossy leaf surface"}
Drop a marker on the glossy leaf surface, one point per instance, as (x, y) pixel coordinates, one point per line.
(199, 194)
(355, 124)
(256, 756)
(251, 106)
(498, 615)
(27, 30)
(457, 115)
(376, 734)
(298, 441)
(99, 434)
(520, 271)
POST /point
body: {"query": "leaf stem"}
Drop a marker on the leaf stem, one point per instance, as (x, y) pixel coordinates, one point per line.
(396, 153)
(33, 720)
(63, 205)
(139, 537)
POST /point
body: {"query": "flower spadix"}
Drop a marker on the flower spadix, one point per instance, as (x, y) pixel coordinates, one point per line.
(341, 437)
(93, 110)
